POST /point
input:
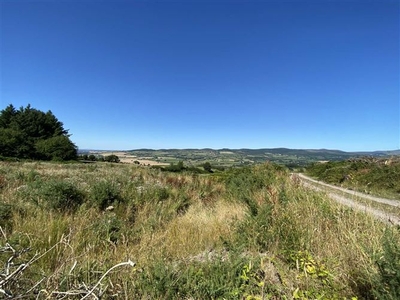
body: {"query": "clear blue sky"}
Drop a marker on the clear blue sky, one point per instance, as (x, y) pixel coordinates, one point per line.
(196, 74)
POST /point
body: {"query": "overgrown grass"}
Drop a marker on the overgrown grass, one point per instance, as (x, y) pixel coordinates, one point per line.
(250, 232)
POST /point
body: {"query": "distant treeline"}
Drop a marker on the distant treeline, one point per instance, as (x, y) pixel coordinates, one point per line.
(204, 168)
(93, 158)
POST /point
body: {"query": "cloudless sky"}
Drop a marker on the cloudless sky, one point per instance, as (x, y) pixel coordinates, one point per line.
(196, 74)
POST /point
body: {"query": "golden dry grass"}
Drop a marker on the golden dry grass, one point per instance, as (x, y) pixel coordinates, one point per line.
(201, 228)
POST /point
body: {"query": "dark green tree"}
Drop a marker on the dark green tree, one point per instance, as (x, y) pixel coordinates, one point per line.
(31, 133)
(12, 143)
(207, 167)
(175, 168)
(7, 116)
(112, 158)
(56, 148)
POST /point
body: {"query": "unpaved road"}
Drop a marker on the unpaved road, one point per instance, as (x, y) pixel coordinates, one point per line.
(347, 197)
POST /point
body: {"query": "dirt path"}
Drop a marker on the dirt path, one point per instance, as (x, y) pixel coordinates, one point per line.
(344, 198)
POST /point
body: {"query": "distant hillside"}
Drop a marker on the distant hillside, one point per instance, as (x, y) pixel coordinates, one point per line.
(235, 157)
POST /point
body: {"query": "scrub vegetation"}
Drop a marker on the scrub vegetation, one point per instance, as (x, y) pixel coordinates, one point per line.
(378, 176)
(124, 231)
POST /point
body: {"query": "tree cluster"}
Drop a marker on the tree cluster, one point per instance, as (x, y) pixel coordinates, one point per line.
(180, 167)
(92, 158)
(29, 133)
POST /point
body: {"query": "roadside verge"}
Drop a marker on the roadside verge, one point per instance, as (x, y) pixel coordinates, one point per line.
(381, 208)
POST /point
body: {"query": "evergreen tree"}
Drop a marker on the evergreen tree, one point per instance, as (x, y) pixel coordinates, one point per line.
(31, 133)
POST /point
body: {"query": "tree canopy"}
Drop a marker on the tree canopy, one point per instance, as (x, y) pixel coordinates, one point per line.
(33, 134)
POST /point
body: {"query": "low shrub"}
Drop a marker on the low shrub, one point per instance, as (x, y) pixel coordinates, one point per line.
(104, 194)
(62, 196)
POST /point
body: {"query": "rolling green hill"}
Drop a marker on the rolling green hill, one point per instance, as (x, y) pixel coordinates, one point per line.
(240, 157)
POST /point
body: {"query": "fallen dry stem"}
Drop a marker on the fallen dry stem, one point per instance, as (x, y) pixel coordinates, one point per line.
(129, 263)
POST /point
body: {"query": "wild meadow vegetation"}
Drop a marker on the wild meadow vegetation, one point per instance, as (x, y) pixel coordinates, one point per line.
(245, 233)
(370, 175)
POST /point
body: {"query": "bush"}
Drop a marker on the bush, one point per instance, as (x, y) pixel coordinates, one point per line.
(105, 193)
(61, 196)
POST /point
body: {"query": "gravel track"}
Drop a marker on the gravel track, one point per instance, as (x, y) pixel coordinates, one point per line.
(345, 200)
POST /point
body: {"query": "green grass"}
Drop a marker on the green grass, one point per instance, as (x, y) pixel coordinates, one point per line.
(248, 233)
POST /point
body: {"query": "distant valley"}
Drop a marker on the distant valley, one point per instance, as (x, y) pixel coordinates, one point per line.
(237, 157)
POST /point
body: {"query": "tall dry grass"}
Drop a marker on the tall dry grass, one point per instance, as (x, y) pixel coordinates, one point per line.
(241, 233)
